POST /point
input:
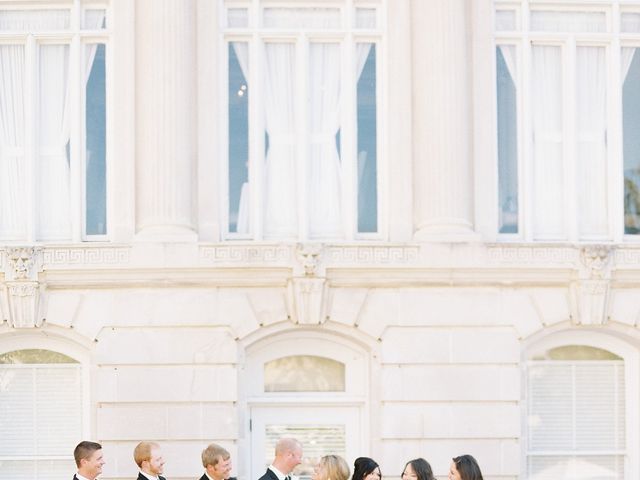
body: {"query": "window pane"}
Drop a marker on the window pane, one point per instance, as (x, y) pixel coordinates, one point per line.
(630, 22)
(548, 168)
(323, 172)
(238, 148)
(367, 138)
(95, 118)
(366, 18)
(631, 126)
(550, 21)
(12, 136)
(94, 19)
(317, 441)
(34, 20)
(53, 145)
(576, 406)
(280, 218)
(591, 148)
(507, 139)
(299, 18)
(577, 352)
(30, 356)
(550, 407)
(505, 20)
(237, 18)
(40, 409)
(304, 373)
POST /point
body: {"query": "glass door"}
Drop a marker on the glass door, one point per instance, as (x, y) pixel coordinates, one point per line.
(322, 430)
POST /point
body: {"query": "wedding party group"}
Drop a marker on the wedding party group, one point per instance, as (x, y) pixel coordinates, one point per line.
(216, 462)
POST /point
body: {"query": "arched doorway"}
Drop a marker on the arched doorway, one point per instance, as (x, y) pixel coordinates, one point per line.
(309, 385)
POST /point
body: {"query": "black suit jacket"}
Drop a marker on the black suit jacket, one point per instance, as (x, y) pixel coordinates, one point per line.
(269, 475)
(142, 477)
(204, 477)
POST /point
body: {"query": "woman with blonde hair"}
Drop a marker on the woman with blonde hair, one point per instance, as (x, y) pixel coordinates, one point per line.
(331, 467)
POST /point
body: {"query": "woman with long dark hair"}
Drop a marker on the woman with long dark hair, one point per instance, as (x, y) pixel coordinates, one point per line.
(464, 467)
(417, 469)
(365, 468)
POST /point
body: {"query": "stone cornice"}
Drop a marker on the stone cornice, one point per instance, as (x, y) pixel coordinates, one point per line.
(250, 263)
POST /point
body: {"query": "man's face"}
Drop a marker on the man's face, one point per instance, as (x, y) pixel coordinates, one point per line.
(295, 457)
(92, 466)
(221, 470)
(155, 465)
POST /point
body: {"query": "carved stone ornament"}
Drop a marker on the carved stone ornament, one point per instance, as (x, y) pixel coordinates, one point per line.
(590, 302)
(307, 298)
(596, 261)
(21, 263)
(309, 256)
(23, 299)
(590, 294)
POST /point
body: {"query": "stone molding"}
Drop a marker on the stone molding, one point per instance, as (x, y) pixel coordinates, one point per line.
(54, 257)
(588, 261)
(238, 254)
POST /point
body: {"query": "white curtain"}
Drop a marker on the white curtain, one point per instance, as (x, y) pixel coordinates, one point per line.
(280, 172)
(324, 167)
(13, 186)
(627, 54)
(548, 170)
(591, 152)
(53, 167)
(12, 167)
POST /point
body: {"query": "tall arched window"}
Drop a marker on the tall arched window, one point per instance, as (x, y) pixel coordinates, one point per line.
(577, 413)
(40, 414)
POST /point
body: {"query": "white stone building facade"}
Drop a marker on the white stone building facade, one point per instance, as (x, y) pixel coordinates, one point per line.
(466, 279)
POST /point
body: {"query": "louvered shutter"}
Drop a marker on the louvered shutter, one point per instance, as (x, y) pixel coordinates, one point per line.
(576, 420)
(40, 420)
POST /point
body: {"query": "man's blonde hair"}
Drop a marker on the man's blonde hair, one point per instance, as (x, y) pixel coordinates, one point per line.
(142, 452)
(213, 454)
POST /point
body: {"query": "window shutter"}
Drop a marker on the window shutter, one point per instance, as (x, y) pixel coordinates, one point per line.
(40, 419)
(576, 419)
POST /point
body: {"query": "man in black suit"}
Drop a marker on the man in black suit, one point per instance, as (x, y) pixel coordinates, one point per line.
(89, 460)
(288, 455)
(148, 457)
(217, 463)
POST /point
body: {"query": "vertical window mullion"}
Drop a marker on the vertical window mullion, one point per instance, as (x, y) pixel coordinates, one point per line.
(31, 134)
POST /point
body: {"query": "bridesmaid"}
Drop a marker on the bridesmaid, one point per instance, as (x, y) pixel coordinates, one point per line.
(417, 469)
(331, 467)
(365, 468)
(464, 467)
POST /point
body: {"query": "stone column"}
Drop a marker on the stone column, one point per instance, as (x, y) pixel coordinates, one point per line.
(165, 119)
(442, 117)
